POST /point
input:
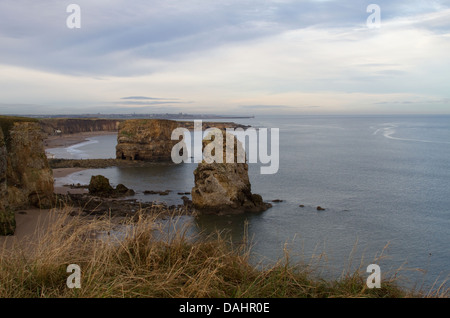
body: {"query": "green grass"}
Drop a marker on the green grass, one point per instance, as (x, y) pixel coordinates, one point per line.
(146, 265)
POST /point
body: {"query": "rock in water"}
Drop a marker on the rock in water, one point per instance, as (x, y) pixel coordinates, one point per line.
(123, 190)
(146, 139)
(99, 185)
(224, 188)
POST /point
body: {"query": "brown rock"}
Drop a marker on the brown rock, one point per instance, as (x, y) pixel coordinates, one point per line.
(29, 177)
(99, 185)
(146, 139)
(123, 190)
(25, 176)
(224, 188)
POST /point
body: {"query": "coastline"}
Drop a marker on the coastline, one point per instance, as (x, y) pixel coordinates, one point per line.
(67, 140)
(64, 172)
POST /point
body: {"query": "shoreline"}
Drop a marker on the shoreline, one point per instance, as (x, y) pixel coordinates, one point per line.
(64, 172)
(67, 140)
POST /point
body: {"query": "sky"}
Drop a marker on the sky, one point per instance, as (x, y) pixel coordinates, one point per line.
(233, 57)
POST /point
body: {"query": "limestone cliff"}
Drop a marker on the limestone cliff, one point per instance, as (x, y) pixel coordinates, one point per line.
(25, 176)
(7, 220)
(146, 139)
(77, 125)
(224, 188)
(29, 177)
(3, 167)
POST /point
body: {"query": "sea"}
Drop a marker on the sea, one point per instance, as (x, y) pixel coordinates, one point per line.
(383, 181)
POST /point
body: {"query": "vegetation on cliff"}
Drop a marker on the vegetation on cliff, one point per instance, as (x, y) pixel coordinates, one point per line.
(149, 262)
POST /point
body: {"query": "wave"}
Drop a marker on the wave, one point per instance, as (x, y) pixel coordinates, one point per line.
(390, 130)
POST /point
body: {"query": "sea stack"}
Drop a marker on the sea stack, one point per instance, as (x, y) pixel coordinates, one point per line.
(146, 139)
(224, 188)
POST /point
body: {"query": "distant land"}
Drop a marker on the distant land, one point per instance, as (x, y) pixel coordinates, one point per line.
(138, 116)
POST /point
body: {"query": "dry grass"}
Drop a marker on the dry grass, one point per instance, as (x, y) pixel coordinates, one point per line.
(151, 261)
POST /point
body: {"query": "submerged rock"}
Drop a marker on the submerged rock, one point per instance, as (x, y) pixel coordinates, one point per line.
(121, 189)
(224, 188)
(166, 192)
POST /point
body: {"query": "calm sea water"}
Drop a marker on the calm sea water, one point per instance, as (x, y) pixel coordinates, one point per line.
(383, 180)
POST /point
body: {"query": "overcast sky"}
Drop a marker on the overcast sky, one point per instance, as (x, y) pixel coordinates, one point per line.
(225, 57)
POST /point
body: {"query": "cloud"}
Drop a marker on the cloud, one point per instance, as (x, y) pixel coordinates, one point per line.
(273, 55)
(147, 98)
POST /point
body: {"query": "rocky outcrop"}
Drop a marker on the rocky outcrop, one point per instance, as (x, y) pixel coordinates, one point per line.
(7, 220)
(208, 124)
(3, 166)
(25, 177)
(146, 139)
(224, 188)
(29, 177)
(100, 186)
(51, 126)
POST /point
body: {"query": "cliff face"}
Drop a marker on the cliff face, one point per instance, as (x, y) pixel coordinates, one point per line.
(25, 176)
(29, 177)
(3, 166)
(146, 139)
(7, 220)
(78, 125)
(208, 124)
(224, 188)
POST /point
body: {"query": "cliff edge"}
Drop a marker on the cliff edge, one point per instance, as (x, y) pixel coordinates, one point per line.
(25, 176)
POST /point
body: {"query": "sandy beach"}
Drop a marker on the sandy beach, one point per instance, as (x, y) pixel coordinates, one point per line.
(63, 172)
(30, 223)
(67, 140)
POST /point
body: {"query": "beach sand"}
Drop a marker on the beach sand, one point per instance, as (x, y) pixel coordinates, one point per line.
(63, 172)
(67, 140)
(30, 223)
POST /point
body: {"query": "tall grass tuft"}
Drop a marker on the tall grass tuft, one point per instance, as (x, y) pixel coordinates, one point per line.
(151, 261)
